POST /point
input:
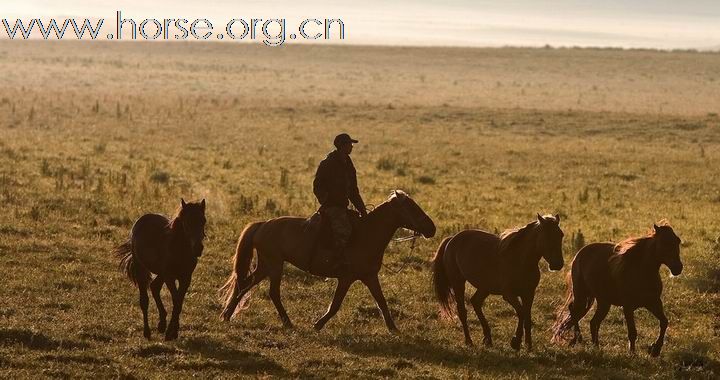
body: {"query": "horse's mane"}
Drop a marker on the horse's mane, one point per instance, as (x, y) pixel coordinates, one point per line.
(511, 236)
(629, 247)
(393, 195)
(175, 219)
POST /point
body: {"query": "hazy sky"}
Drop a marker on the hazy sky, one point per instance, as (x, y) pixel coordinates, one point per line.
(626, 23)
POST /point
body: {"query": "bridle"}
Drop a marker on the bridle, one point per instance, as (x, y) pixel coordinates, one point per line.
(412, 237)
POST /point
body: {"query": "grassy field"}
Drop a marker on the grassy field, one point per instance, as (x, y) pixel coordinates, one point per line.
(93, 135)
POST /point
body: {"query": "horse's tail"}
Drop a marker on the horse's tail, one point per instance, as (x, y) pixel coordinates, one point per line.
(441, 283)
(564, 321)
(240, 278)
(134, 272)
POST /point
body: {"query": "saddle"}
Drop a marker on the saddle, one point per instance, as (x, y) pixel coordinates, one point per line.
(320, 243)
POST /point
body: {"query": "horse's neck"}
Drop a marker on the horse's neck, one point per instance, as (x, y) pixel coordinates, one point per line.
(378, 228)
(527, 252)
(644, 263)
(176, 234)
(649, 262)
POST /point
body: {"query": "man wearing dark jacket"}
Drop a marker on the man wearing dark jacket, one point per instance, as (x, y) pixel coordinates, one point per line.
(335, 186)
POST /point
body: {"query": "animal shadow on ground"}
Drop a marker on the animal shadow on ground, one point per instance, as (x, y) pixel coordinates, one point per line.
(408, 349)
(36, 340)
(222, 357)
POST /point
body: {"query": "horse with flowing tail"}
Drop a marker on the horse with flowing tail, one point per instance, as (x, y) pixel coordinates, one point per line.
(278, 240)
(624, 274)
(169, 248)
(505, 265)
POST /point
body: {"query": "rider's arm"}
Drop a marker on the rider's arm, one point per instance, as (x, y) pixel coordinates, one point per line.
(320, 182)
(354, 194)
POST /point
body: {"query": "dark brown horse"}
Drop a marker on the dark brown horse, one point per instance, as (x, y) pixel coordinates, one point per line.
(169, 249)
(624, 274)
(505, 265)
(278, 240)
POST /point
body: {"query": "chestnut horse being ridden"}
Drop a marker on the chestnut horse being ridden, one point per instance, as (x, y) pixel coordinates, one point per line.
(277, 241)
(624, 274)
(170, 249)
(505, 265)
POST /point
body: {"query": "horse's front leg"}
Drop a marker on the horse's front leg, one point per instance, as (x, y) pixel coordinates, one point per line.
(515, 303)
(178, 297)
(373, 284)
(527, 302)
(340, 292)
(629, 312)
(657, 310)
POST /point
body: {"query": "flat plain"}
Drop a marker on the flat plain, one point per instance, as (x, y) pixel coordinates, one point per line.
(93, 135)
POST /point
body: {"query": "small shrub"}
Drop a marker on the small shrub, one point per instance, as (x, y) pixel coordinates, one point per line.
(385, 164)
(426, 180)
(159, 176)
(578, 240)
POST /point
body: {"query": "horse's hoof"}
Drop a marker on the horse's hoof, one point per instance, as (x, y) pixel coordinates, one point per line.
(288, 325)
(146, 333)
(162, 326)
(171, 334)
(318, 326)
(654, 350)
(515, 343)
(487, 342)
(393, 330)
(469, 343)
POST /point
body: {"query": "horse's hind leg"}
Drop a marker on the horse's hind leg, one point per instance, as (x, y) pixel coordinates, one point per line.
(600, 313)
(142, 284)
(578, 308)
(373, 284)
(275, 278)
(477, 300)
(155, 287)
(657, 310)
(459, 294)
(527, 302)
(240, 290)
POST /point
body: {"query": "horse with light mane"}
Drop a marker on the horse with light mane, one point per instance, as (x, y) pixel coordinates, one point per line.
(278, 240)
(505, 265)
(624, 274)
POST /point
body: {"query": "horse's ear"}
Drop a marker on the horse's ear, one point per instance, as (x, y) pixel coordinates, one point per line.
(182, 202)
(540, 218)
(655, 227)
(557, 219)
(202, 204)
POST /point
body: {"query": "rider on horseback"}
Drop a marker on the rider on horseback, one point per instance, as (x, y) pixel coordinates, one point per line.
(335, 186)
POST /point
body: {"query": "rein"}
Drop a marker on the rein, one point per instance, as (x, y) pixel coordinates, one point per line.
(412, 238)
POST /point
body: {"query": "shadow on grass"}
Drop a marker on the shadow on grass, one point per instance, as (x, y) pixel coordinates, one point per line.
(409, 349)
(215, 355)
(35, 340)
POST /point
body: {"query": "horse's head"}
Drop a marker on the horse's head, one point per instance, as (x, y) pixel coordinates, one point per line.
(549, 240)
(667, 247)
(412, 216)
(192, 220)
